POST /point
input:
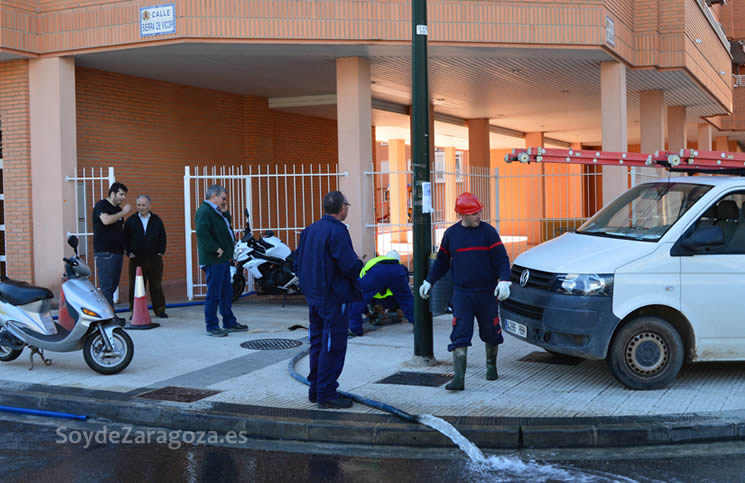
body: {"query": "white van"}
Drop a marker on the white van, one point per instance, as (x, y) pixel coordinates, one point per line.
(653, 280)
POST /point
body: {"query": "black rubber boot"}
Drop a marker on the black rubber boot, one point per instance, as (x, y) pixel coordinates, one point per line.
(491, 362)
(459, 363)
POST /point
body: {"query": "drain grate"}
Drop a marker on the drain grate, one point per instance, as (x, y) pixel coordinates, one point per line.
(271, 344)
(178, 394)
(546, 358)
(416, 379)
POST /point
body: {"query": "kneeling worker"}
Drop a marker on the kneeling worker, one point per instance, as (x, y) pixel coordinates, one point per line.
(481, 271)
(383, 278)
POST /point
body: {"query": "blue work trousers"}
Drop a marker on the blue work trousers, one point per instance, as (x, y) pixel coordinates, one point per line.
(379, 278)
(219, 294)
(108, 269)
(328, 347)
(481, 304)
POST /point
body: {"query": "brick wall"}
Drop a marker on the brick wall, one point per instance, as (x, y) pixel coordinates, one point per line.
(14, 120)
(149, 130)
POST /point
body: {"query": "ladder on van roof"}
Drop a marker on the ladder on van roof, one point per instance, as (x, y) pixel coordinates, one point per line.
(686, 160)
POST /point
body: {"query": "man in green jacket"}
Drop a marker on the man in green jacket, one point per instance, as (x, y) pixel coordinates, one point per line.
(215, 242)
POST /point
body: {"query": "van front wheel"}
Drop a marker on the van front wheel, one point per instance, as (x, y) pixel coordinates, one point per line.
(646, 353)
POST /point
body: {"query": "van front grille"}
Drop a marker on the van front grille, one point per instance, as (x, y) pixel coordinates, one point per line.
(537, 279)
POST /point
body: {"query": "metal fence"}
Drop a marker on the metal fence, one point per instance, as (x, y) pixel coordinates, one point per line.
(281, 198)
(91, 185)
(528, 204)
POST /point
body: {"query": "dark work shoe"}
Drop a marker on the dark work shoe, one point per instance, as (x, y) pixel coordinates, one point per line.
(120, 321)
(162, 315)
(217, 332)
(338, 403)
(312, 399)
(237, 328)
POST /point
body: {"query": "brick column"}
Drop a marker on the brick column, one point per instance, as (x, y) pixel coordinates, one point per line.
(652, 129)
(677, 138)
(704, 136)
(614, 126)
(354, 120)
(53, 157)
(14, 121)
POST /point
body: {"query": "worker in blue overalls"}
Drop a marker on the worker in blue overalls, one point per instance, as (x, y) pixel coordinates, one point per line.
(383, 279)
(480, 269)
(328, 270)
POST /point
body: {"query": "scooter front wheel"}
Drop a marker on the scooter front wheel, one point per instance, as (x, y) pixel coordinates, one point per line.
(108, 362)
(8, 354)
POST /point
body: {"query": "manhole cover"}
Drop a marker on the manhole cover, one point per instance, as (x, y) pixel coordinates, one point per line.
(178, 394)
(417, 379)
(546, 358)
(271, 344)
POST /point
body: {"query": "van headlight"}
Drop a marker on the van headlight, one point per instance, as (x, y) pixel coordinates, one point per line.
(587, 284)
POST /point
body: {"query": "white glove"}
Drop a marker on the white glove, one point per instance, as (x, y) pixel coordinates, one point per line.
(502, 292)
(424, 289)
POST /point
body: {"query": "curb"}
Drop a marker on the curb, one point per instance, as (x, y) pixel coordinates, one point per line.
(260, 422)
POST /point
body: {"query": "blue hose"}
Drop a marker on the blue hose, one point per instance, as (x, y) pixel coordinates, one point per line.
(367, 402)
(38, 412)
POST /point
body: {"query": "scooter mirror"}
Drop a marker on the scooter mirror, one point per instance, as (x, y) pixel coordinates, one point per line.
(73, 242)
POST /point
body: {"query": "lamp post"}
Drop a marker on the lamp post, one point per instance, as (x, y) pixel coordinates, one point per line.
(420, 163)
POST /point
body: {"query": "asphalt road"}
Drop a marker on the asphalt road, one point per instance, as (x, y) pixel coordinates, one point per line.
(36, 449)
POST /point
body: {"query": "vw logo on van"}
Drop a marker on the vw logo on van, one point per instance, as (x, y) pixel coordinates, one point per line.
(524, 278)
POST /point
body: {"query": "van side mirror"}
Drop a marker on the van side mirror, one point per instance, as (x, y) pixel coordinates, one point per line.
(701, 237)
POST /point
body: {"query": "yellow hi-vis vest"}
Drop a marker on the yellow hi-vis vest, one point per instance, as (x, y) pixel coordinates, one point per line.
(371, 264)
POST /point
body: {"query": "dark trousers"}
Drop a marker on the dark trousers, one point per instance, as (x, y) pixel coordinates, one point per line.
(108, 270)
(328, 347)
(219, 294)
(483, 305)
(377, 279)
(152, 272)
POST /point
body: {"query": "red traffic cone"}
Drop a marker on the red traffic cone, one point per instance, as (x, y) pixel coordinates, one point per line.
(140, 314)
(64, 318)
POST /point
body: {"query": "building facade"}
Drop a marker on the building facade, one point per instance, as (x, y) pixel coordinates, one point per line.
(149, 88)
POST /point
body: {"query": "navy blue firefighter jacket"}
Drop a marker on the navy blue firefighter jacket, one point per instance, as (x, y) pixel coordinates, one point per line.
(326, 264)
(479, 260)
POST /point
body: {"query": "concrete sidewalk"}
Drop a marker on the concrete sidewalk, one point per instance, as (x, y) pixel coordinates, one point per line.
(538, 400)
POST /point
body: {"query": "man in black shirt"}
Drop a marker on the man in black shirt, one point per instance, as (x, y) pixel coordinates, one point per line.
(145, 244)
(108, 239)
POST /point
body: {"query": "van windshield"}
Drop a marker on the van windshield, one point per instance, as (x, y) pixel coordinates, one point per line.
(645, 212)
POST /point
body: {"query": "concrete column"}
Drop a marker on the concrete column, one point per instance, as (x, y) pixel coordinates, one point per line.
(397, 186)
(614, 126)
(676, 128)
(652, 130)
(451, 190)
(705, 133)
(479, 154)
(354, 121)
(721, 144)
(478, 142)
(53, 157)
(535, 140)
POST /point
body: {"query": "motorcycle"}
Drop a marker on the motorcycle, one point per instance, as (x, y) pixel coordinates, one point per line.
(26, 320)
(267, 259)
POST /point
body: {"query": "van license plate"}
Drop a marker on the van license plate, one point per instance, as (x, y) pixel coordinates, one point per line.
(515, 328)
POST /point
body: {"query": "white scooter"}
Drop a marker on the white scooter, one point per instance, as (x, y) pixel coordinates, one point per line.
(26, 320)
(268, 260)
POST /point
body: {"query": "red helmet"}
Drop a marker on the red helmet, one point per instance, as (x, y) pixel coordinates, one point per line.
(467, 204)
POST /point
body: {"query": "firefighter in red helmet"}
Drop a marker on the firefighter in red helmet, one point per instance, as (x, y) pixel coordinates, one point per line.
(480, 270)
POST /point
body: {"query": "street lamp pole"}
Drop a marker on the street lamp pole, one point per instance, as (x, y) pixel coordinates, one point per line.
(420, 163)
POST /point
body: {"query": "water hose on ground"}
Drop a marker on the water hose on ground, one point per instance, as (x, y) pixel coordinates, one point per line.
(38, 412)
(362, 400)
